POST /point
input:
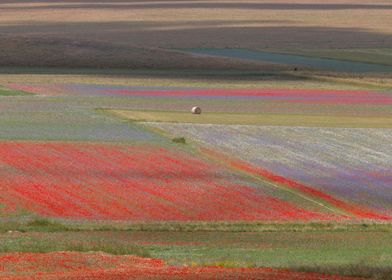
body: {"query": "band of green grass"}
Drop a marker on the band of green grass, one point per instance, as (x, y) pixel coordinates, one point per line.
(57, 225)
(326, 248)
(11, 92)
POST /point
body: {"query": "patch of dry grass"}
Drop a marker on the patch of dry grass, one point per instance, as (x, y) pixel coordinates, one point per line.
(256, 119)
(191, 78)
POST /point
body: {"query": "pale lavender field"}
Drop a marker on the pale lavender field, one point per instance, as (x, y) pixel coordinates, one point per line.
(351, 163)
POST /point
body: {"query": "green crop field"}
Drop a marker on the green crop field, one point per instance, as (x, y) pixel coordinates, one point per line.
(9, 92)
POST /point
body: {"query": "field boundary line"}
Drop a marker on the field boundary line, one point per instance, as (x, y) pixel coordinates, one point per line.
(278, 186)
(351, 209)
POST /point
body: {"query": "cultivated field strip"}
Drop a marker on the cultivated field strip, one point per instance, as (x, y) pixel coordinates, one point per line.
(98, 265)
(301, 102)
(253, 119)
(32, 118)
(138, 183)
(292, 96)
(93, 89)
(353, 164)
(303, 61)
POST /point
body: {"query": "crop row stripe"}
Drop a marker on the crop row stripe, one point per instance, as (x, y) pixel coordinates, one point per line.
(305, 189)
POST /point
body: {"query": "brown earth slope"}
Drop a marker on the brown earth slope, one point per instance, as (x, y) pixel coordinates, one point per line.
(129, 33)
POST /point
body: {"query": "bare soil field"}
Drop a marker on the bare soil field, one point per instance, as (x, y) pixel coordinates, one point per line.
(144, 34)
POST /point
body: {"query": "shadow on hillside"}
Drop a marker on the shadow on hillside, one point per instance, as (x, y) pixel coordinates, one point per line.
(44, 26)
(152, 45)
(193, 34)
(192, 5)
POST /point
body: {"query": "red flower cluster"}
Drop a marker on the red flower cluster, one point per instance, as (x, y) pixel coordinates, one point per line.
(307, 96)
(121, 182)
(73, 265)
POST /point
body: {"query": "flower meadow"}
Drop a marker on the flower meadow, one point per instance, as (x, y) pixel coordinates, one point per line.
(93, 89)
(138, 183)
(65, 156)
(36, 118)
(73, 265)
(352, 165)
(303, 96)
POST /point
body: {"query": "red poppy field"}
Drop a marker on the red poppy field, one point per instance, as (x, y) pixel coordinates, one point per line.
(138, 183)
(72, 265)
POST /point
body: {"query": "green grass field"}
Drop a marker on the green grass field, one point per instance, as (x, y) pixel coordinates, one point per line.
(9, 92)
(371, 55)
(317, 247)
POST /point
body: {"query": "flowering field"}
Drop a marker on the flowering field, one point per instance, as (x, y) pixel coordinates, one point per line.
(276, 95)
(349, 108)
(313, 107)
(131, 178)
(97, 181)
(306, 96)
(36, 118)
(352, 164)
(95, 89)
(72, 265)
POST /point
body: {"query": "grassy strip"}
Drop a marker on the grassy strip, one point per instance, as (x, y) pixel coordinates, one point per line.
(255, 119)
(54, 225)
(11, 92)
(370, 82)
(323, 251)
(366, 55)
(360, 269)
(43, 245)
(190, 78)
